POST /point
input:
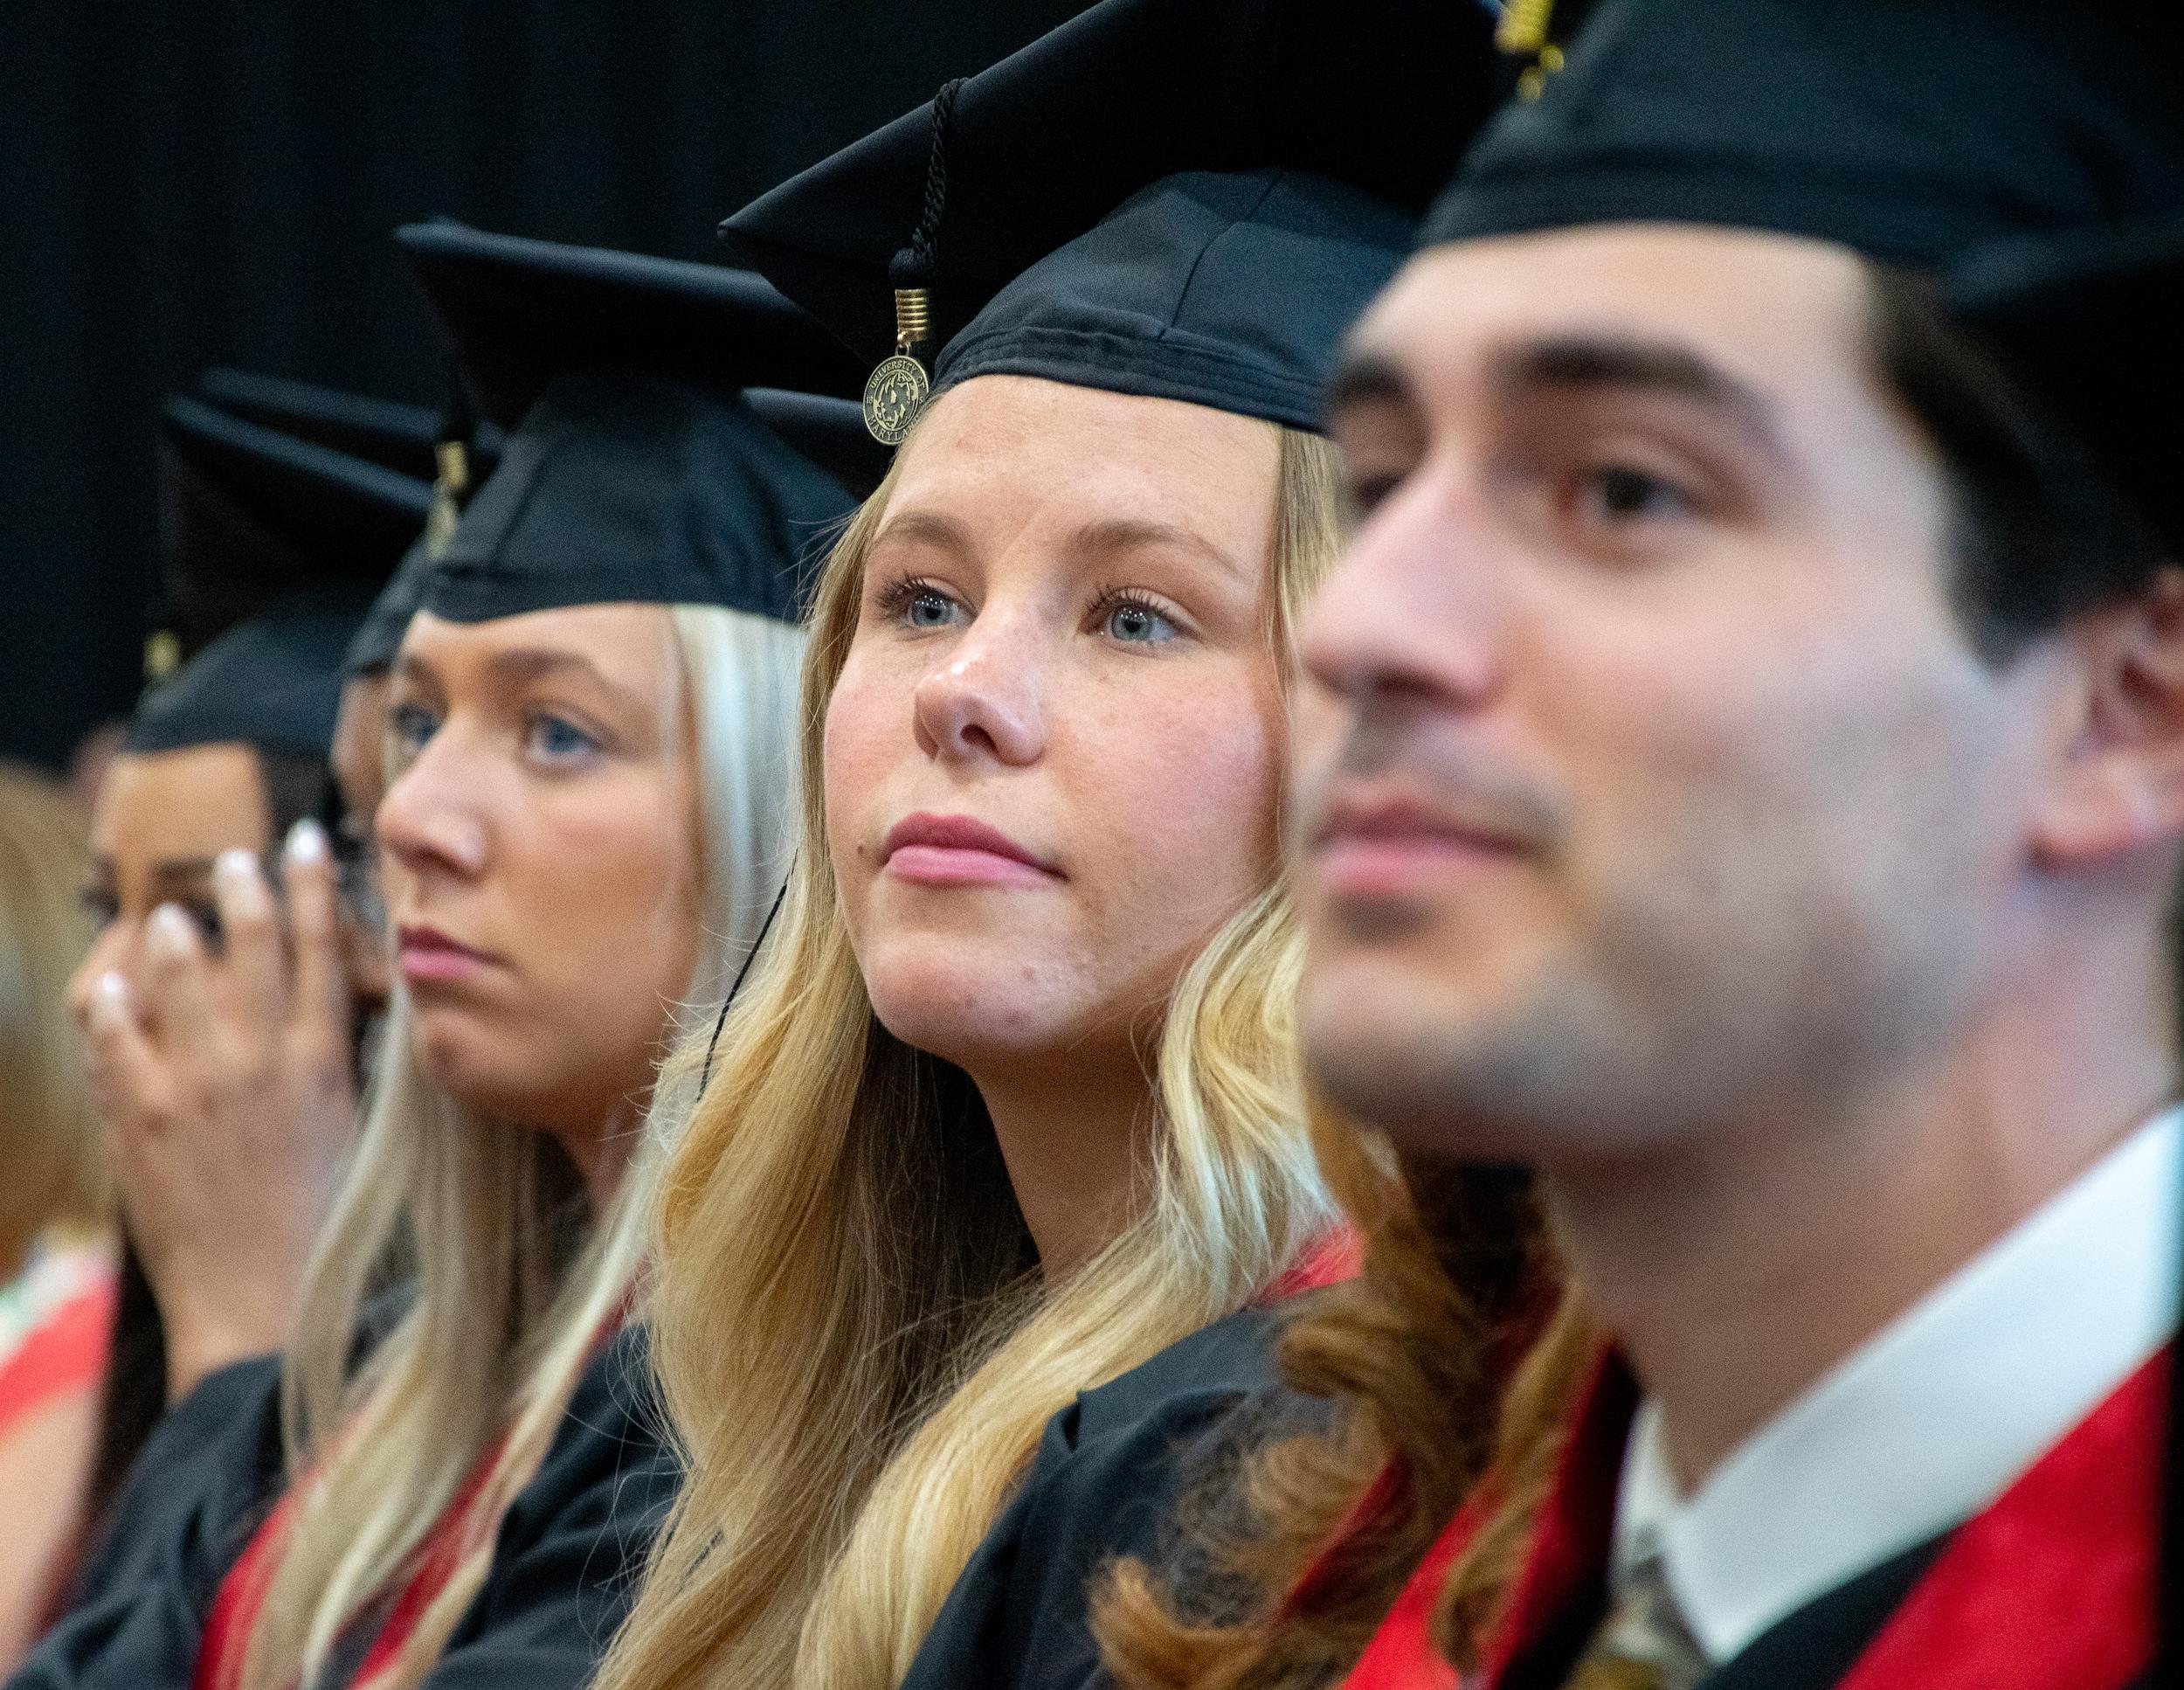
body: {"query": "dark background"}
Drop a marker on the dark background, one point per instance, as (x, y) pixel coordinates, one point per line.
(184, 184)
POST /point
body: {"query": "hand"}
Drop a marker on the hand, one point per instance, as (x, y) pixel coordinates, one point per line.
(230, 1092)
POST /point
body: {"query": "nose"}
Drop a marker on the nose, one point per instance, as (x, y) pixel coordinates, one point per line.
(431, 820)
(982, 702)
(1414, 609)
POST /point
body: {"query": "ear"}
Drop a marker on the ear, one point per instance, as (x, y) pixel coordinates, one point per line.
(2121, 786)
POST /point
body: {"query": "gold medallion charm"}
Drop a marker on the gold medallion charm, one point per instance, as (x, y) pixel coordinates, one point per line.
(896, 392)
(893, 396)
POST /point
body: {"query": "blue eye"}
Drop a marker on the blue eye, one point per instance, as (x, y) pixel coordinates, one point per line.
(919, 604)
(1135, 623)
(409, 726)
(559, 740)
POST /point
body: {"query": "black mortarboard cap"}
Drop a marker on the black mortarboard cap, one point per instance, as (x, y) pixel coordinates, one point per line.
(633, 470)
(410, 439)
(249, 513)
(466, 450)
(386, 432)
(378, 636)
(273, 681)
(1185, 198)
(2028, 158)
(273, 547)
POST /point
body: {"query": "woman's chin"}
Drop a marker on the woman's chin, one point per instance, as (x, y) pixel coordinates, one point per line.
(970, 1019)
(462, 1061)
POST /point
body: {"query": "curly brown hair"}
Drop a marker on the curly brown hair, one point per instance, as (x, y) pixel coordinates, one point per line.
(1320, 1529)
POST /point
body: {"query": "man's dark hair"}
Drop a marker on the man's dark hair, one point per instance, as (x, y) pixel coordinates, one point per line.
(2040, 533)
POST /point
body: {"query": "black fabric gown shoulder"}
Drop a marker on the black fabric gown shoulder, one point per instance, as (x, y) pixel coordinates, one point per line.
(1110, 1472)
(198, 1489)
(564, 1568)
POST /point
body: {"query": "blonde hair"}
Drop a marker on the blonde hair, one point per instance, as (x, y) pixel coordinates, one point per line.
(855, 1357)
(510, 1296)
(57, 1173)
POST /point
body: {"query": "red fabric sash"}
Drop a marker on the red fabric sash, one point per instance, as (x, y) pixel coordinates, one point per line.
(1335, 1255)
(242, 1591)
(2051, 1585)
(235, 1605)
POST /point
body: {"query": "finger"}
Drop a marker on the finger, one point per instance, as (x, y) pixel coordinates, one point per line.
(256, 975)
(123, 1064)
(174, 985)
(315, 926)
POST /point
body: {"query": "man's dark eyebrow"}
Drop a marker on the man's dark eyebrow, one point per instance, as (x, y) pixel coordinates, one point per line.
(1605, 362)
(1124, 533)
(1369, 378)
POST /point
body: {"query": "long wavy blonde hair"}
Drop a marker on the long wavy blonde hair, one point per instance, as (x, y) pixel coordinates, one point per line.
(510, 1293)
(57, 1172)
(856, 1350)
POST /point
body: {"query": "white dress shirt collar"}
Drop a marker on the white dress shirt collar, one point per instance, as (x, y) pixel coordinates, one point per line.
(1932, 1417)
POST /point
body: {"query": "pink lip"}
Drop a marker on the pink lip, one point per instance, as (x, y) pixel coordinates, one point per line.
(427, 954)
(1398, 848)
(958, 850)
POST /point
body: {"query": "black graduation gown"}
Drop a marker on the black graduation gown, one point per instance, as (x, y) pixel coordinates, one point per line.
(195, 1492)
(565, 1561)
(1110, 1471)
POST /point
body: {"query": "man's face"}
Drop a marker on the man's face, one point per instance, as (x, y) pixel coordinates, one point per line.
(1647, 785)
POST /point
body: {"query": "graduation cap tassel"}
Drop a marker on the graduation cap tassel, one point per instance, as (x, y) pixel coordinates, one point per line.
(1525, 33)
(450, 489)
(898, 388)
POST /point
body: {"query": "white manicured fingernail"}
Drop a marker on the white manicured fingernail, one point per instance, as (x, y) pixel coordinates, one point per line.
(306, 841)
(110, 996)
(169, 929)
(237, 864)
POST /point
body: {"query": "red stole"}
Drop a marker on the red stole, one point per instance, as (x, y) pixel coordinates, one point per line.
(1335, 1255)
(227, 1627)
(2052, 1584)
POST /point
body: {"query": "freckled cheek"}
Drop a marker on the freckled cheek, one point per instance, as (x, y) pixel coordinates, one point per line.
(868, 735)
(1211, 775)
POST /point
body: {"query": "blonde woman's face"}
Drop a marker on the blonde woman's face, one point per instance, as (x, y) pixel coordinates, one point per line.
(1052, 757)
(540, 852)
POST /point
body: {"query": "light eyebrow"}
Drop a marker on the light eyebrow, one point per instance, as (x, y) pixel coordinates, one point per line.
(513, 668)
(927, 528)
(530, 663)
(1129, 533)
(1612, 362)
